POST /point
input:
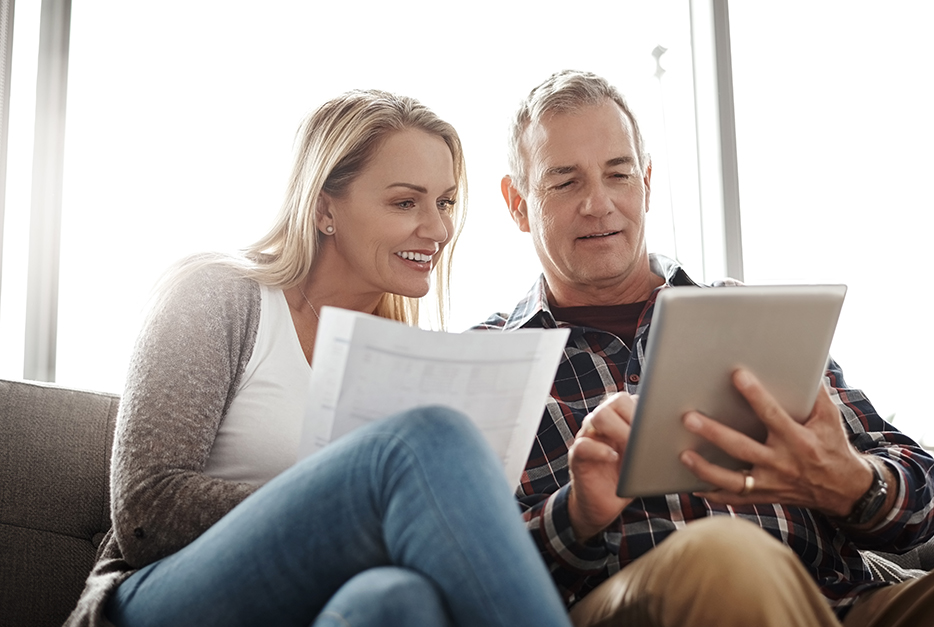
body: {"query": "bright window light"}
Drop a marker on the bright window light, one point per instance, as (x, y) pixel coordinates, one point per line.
(834, 134)
(181, 117)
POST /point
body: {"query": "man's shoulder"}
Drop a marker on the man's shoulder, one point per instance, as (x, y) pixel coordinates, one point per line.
(496, 321)
(526, 312)
(727, 282)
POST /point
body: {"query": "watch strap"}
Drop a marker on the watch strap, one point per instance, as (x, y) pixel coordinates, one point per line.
(872, 500)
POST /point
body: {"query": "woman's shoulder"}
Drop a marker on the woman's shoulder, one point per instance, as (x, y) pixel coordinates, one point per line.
(205, 309)
(208, 277)
(206, 291)
(212, 268)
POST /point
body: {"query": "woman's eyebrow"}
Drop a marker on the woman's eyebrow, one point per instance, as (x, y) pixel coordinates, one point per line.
(419, 188)
(412, 186)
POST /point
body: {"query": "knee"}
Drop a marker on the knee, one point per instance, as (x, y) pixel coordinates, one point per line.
(723, 538)
(722, 532)
(715, 571)
(447, 446)
(397, 588)
(436, 425)
(729, 550)
(385, 595)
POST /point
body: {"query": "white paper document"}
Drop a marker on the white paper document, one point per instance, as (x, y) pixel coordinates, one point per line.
(366, 368)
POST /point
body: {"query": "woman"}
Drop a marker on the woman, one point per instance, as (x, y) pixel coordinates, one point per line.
(405, 521)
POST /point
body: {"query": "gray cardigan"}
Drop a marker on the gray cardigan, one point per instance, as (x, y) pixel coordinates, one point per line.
(182, 377)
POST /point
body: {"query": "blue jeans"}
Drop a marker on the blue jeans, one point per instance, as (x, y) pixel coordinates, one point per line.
(407, 521)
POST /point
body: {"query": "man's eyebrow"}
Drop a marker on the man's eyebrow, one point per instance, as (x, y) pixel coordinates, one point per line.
(560, 170)
(620, 161)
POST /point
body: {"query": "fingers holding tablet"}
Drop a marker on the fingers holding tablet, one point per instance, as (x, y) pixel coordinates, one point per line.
(807, 464)
(729, 486)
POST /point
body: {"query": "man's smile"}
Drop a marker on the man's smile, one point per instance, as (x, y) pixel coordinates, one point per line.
(595, 235)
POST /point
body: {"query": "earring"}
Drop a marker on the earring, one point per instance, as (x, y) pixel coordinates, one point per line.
(329, 229)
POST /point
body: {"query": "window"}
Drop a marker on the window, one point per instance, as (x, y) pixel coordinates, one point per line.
(181, 117)
(834, 133)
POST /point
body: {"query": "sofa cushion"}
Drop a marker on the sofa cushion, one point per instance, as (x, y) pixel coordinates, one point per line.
(54, 496)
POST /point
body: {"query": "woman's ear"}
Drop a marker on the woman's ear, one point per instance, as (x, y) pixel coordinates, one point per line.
(324, 218)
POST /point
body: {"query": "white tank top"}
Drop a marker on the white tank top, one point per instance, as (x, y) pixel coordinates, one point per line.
(258, 438)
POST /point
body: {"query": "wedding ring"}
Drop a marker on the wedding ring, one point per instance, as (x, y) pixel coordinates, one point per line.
(749, 485)
(587, 429)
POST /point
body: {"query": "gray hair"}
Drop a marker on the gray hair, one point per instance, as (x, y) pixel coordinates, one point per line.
(564, 91)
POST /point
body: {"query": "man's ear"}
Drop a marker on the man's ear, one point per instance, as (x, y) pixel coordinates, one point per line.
(647, 181)
(518, 209)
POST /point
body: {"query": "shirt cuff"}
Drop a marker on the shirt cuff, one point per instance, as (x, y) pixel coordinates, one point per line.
(559, 538)
(898, 515)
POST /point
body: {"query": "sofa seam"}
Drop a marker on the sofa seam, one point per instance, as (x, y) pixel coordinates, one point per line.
(57, 533)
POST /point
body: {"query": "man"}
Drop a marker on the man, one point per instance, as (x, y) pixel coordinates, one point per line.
(840, 482)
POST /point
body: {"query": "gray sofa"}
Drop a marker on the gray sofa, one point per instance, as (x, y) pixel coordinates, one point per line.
(54, 497)
(55, 504)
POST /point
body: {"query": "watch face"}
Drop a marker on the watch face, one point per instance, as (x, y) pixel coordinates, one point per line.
(871, 502)
(874, 504)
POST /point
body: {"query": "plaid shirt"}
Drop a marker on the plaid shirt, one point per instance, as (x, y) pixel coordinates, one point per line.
(595, 364)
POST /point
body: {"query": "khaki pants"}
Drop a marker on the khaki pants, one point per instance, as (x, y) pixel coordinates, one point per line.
(725, 572)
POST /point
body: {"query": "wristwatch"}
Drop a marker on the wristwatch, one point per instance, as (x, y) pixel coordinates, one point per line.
(872, 500)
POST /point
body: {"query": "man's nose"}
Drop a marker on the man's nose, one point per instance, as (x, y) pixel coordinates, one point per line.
(597, 201)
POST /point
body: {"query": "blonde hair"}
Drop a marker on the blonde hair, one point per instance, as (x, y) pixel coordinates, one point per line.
(334, 144)
(564, 91)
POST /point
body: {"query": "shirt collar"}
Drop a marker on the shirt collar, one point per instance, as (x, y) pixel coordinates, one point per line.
(670, 270)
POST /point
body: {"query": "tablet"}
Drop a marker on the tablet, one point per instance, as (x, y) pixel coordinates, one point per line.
(699, 337)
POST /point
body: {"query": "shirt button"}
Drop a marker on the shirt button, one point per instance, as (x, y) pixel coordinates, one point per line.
(633, 378)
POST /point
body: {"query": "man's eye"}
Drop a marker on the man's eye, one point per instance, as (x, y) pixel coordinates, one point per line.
(621, 175)
(564, 185)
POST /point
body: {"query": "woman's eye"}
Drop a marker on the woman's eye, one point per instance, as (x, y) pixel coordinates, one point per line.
(446, 204)
(406, 204)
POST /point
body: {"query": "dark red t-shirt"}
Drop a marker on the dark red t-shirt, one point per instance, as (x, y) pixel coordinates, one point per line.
(620, 320)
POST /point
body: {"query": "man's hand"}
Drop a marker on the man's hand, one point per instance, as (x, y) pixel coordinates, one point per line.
(809, 464)
(595, 459)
